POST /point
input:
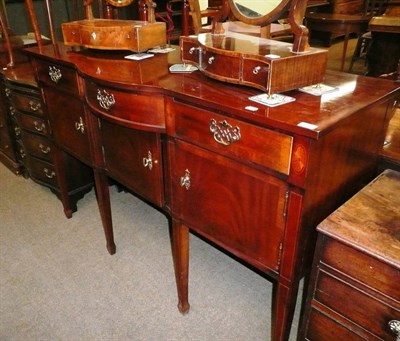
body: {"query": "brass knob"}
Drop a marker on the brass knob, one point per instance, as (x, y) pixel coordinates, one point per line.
(394, 326)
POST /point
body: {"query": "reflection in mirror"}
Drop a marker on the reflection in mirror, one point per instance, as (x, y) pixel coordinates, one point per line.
(256, 8)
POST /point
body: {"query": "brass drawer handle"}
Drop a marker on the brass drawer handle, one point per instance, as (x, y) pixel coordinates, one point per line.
(34, 106)
(211, 60)
(224, 133)
(39, 126)
(80, 126)
(8, 92)
(394, 326)
(55, 74)
(17, 131)
(12, 111)
(257, 69)
(22, 153)
(185, 180)
(49, 174)
(43, 149)
(106, 100)
(148, 162)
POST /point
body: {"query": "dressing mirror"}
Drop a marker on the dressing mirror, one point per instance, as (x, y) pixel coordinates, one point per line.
(269, 65)
(258, 12)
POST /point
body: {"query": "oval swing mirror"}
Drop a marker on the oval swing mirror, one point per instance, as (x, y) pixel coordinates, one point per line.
(258, 12)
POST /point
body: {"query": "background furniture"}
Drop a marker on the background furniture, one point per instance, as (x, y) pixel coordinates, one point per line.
(364, 40)
(343, 23)
(27, 148)
(354, 291)
(384, 53)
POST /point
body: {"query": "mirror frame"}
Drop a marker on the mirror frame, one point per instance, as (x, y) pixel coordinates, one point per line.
(119, 3)
(263, 20)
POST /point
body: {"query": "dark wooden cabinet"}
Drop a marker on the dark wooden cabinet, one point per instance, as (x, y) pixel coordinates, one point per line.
(29, 145)
(354, 292)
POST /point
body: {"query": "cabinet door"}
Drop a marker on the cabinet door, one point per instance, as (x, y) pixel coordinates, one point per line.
(134, 158)
(232, 204)
(68, 123)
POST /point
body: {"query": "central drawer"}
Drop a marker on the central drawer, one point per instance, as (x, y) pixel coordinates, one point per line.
(133, 109)
(230, 137)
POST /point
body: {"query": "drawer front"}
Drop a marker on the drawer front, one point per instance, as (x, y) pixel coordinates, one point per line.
(38, 146)
(373, 273)
(230, 137)
(42, 171)
(323, 328)
(27, 103)
(362, 309)
(215, 196)
(256, 72)
(145, 110)
(59, 76)
(219, 65)
(32, 123)
(68, 123)
(134, 158)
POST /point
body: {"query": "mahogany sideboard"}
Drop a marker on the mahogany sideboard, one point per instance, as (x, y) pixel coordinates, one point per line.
(354, 293)
(251, 179)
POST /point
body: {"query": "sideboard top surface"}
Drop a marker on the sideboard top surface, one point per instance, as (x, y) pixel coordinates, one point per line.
(152, 75)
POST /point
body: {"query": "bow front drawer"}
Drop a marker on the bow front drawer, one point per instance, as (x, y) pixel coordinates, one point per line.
(230, 137)
(137, 110)
(27, 103)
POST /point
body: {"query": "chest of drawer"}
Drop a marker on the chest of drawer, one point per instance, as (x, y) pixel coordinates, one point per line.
(60, 76)
(129, 108)
(27, 103)
(230, 137)
(32, 123)
(38, 146)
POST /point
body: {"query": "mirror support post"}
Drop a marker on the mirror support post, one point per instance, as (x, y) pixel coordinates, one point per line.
(300, 32)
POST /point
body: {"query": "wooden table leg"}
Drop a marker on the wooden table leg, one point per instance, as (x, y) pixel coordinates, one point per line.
(283, 306)
(346, 41)
(103, 201)
(180, 250)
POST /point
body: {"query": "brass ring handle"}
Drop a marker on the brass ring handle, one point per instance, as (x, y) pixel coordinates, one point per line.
(224, 133)
(211, 60)
(49, 174)
(39, 127)
(185, 180)
(394, 326)
(256, 70)
(43, 149)
(34, 106)
(55, 74)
